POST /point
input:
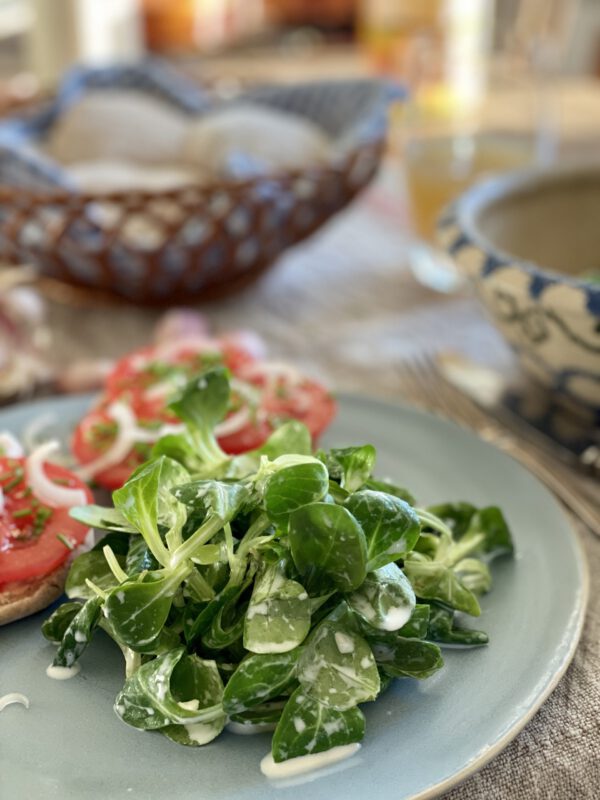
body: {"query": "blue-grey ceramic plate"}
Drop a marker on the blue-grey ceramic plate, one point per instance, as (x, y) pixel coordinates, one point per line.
(421, 738)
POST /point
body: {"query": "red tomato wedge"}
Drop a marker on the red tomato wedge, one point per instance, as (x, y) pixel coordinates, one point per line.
(34, 538)
(260, 403)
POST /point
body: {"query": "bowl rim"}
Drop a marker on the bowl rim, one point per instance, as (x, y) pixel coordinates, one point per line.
(463, 211)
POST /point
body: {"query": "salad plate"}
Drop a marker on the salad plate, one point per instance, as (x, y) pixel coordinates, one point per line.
(423, 737)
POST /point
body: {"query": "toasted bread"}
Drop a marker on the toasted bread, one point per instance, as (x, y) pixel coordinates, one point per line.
(20, 599)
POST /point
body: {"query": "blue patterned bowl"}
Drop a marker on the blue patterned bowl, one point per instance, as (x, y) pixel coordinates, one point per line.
(197, 241)
(530, 242)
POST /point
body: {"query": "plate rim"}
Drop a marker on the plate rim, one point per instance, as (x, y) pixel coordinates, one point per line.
(579, 611)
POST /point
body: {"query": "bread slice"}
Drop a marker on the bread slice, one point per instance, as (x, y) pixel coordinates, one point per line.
(22, 598)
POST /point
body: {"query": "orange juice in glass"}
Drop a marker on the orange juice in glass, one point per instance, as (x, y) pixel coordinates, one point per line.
(440, 168)
(447, 144)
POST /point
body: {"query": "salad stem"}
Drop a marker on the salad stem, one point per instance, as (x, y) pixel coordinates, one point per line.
(204, 533)
(114, 565)
(202, 589)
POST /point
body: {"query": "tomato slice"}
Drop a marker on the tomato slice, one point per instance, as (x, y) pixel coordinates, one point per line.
(151, 366)
(34, 539)
(94, 434)
(308, 402)
(272, 404)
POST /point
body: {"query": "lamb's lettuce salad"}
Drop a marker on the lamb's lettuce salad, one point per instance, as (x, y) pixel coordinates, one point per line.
(281, 587)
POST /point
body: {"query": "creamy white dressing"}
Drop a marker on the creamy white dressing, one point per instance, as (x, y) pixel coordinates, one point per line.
(299, 724)
(396, 617)
(62, 673)
(133, 660)
(161, 691)
(200, 732)
(13, 697)
(345, 643)
(262, 609)
(335, 726)
(249, 729)
(190, 705)
(274, 647)
(308, 763)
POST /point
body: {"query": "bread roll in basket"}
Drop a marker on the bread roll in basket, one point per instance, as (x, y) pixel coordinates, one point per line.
(206, 238)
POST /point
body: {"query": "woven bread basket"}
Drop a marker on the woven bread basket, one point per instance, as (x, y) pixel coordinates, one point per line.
(198, 241)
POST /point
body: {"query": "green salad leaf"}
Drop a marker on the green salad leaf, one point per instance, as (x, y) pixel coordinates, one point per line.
(385, 600)
(275, 588)
(294, 486)
(351, 467)
(328, 547)
(307, 726)
(259, 678)
(337, 666)
(390, 525)
(278, 617)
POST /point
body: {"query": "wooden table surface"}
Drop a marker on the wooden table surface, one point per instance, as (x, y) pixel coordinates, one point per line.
(345, 307)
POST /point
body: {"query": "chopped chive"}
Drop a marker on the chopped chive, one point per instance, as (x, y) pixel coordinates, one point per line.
(105, 428)
(26, 492)
(18, 477)
(61, 481)
(67, 541)
(5, 475)
(150, 424)
(23, 512)
(41, 517)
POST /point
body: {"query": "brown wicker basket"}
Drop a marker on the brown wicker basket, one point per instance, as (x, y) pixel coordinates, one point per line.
(203, 242)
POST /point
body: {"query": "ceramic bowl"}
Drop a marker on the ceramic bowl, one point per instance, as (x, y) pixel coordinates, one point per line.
(529, 241)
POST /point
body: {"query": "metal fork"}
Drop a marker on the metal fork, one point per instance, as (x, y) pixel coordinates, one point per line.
(422, 384)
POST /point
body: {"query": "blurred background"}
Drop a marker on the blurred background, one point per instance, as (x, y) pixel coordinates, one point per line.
(481, 87)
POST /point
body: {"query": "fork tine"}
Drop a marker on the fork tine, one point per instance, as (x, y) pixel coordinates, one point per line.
(422, 383)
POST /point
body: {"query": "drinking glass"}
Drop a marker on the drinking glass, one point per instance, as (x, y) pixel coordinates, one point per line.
(480, 103)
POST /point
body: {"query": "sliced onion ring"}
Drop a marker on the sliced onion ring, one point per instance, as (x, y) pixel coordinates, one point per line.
(128, 433)
(151, 436)
(233, 423)
(119, 449)
(43, 488)
(10, 445)
(272, 371)
(13, 697)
